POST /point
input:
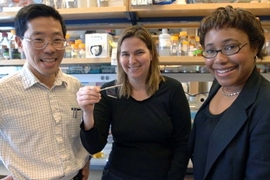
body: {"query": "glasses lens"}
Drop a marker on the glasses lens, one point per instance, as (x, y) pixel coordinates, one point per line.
(39, 43)
(58, 44)
(231, 50)
(209, 55)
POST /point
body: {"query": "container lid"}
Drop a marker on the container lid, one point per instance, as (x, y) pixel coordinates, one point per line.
(174, 38)
(67, 36)
(78, 41)
(183, 33)
(164, 31)
(74, 45)
(82, 46)
(12, 31)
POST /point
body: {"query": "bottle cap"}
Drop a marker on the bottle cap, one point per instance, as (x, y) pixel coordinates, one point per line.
(12, 31)
(82, 46)
(183, 33)
(67, 36)
(174, 38)
(78, 41)
(74, 46)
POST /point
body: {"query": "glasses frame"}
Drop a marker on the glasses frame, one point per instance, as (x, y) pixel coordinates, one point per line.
(220, 50)
(46, 43)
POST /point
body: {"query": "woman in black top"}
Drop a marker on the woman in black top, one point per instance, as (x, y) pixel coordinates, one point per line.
(149, 115)
(230, 137)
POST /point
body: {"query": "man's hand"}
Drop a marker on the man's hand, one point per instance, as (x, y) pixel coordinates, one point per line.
(9, 177)
(86, 171)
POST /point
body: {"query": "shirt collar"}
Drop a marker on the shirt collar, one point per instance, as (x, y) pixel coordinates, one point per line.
(29, 79)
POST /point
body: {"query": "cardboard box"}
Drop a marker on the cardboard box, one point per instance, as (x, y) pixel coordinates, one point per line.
(98, 45)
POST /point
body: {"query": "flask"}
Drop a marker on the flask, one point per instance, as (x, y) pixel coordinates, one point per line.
(183, 44)
(174, 45)
(164, 43)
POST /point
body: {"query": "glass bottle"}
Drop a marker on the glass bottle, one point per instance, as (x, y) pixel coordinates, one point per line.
(68, 48)
(198, 51)
(5, 45)
(183, 43)
(174, 45)
(74, 51)
(102, 3)
(13, 47)
(82, 52)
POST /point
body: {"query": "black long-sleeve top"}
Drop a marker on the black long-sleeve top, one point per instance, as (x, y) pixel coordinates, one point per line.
(150, 137)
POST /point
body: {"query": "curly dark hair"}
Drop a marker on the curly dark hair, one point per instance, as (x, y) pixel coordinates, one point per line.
(229, 17)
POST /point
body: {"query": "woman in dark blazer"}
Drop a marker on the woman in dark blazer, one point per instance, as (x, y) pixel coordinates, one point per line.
(230, 138)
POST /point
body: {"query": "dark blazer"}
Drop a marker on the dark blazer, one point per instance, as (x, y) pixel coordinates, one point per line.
(239, 147)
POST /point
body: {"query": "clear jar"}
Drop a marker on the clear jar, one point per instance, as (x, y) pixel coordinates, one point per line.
(74, 51)
(102, 3)
(183, 43)
(82, 53)
(174, 46)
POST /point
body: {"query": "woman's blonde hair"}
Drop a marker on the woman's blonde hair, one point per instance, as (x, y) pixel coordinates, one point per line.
(154, 76)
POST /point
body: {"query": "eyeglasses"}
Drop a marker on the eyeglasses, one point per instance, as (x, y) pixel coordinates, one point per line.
(41, 43)
(227, 50)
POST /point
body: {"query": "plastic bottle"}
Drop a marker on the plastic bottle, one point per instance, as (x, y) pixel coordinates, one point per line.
(174, 45)
(164, 43)
(183, 44)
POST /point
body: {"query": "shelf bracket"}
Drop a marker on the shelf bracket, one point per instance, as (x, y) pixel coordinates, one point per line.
(132, 16)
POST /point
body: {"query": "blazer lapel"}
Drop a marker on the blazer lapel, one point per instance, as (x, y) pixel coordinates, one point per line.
(232, 120)
(225, 131)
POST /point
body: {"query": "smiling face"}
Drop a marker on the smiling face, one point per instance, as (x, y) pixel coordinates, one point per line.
(43, 63)
(231, 70)
(135, 59)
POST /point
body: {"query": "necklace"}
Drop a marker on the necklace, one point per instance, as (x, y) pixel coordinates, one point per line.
(231, 94)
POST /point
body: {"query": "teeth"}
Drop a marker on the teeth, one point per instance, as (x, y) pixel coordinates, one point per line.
(225, 70)
(133, 67)
(48, 60)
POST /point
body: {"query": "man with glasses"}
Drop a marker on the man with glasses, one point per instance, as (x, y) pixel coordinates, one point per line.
(39, 134)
